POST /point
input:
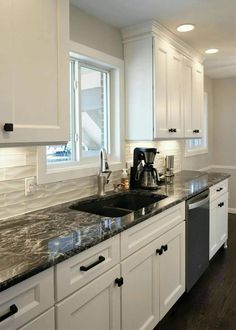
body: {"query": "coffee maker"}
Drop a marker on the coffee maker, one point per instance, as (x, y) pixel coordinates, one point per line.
(143, 175)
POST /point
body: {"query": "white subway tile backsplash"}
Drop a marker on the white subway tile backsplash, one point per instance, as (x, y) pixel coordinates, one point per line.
(12, 173)
(18, 163)
(12, 186)
(12, 160)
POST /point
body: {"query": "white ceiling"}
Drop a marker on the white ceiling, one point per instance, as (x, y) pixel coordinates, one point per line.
(215, 22)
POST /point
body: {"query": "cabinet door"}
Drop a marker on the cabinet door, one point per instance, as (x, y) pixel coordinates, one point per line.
(140, 292)
(172, 268)
(213, 239)
(139, 89)
(160, 71)
(222, 220)
(188, 76)
(168, 119)
(193, 95)
(94, 307)
(218, 223)
(45, 321)
(175, 108)
(198, 99)
(34, 70)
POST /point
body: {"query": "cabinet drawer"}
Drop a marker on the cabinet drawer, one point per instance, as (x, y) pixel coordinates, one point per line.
(45, 321)
(31, 297)
(77, 271)
(143, 233)
(218, 189)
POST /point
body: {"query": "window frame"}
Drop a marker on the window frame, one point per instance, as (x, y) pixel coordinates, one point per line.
(203, 148)
(72, 170)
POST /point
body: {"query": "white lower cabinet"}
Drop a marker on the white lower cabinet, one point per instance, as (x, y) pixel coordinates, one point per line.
(172, 268)
(140, 292)
(45, 321)
(154, 279)
(218, 223)
(94, 307)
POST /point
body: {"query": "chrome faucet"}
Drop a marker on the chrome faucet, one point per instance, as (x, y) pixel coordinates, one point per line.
(104, 172)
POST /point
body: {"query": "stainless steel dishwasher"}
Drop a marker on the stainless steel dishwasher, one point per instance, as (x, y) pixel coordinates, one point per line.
(197, 237)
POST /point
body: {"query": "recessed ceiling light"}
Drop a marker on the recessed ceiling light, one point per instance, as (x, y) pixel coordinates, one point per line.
(211, 51)
(185, 27)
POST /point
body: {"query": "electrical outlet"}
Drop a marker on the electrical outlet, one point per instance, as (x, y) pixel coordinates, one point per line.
(30, 186)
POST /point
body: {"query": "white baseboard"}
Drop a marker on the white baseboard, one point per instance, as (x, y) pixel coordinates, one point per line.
(231, 210)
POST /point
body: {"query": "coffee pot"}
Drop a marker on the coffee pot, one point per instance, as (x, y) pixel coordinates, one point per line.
(149, 177)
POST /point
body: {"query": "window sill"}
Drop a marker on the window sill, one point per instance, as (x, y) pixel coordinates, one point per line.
(55, 174)
(51, 175)
(191, 153)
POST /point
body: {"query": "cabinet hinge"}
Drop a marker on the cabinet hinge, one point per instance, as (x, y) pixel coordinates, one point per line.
(119, 281)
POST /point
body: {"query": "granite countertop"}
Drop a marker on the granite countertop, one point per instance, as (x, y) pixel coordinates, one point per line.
(35, 241)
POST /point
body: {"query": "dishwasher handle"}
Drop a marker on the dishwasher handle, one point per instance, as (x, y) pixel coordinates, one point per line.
(198, 204)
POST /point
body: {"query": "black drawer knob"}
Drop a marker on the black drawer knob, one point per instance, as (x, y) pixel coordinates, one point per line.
(8, 127)
(159, 251)
(119, 281)
(164, 247)
(172, 130)
(219, 189)
(221, 204)
(196, 131)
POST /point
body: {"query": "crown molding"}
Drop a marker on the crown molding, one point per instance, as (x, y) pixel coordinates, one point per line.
(155, 29)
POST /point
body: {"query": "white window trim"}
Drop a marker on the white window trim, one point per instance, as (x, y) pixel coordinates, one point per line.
(49, 174)
(204, 150)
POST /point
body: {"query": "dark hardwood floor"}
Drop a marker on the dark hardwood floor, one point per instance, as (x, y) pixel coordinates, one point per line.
(211, 304)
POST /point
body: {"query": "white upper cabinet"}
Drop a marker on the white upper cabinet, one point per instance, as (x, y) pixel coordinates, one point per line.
(193, 96)
(161, 87)
(34, 71)
(167, 70)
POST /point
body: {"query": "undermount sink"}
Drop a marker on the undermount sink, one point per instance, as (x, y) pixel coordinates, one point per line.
(117, 205)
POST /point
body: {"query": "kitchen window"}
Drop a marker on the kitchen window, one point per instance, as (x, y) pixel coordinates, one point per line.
(199, 146)
(90, 115)
(96, 112)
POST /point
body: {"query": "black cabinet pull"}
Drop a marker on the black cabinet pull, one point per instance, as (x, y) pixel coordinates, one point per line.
(221, 204)
(159, 251)
(8, 127)
(86, 268)
(196, 131)
(172, 130)
(119, 281)
(13, 310)
(164, 247)
(219, 189)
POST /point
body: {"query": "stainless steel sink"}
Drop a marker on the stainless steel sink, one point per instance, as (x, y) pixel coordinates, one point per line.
(118, 205)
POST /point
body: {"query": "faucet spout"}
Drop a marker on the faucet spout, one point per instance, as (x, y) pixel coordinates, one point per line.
(103, 170)
(104, 167)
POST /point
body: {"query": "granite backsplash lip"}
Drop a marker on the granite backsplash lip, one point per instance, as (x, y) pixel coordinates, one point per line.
(35, 241)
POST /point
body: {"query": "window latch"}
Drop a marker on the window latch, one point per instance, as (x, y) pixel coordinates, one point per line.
(75, 84)
(76, 137)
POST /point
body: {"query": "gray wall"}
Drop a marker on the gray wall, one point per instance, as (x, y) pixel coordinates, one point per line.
(224, 96)
(90, 31)
(225, 121)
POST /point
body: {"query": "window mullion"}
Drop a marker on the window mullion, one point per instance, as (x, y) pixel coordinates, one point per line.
(77, 118)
